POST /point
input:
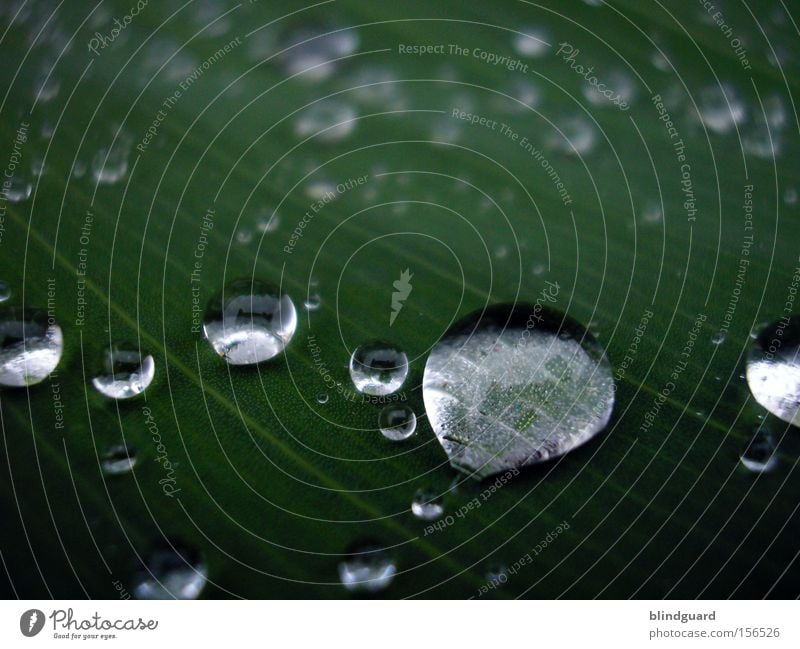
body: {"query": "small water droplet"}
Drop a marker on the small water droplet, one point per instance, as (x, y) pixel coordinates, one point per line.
(312, 50)
(17, 189)
(576, 136)
(244, 236)
(532, 42)
(321, 190)
(496, 574)
(505, 389)
(249, 322)
(322, 398)
(773, 369)
(652, 212)
(171, 572)
(5, 291)
(111, 167)
(790, 196)
(269, 222)
(719, 337)
(397, 422)
(720, 109)
(378, 368)
(367, 568)
(331, 121)
(118, 459)
(124, 372)
(427, 505)
(312, 302)
(759, 455)
(31, 345)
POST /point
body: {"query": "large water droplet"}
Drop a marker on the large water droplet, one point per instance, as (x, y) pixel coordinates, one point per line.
(367, 568)
(773, 369)
(427, 505)
(171, 572)
(249, 322)
(397, 422)
(30, 346)
(378, 368)
(514, 386)
(118, 459)
(125, 372)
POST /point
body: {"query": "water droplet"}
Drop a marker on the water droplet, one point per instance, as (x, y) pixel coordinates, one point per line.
(719, 337)
(790, 196)
(652, 212)
(321, 190)
(269, 222)
(171, 572)
(367, 569)
(496, 574)
(773, 369)
(378, 368)
(312, 302)
(111, 167)
(30, 346)
(118, 459)
(720, 109)
(577, 136)
(124, 373)
(249, 322)
(759, 456)
(531, 43)
(244, 236)
(5, 291)
(619, 84)
(397, 422)
(427, 505)
(17, 189)
(322, 398)
(539, 268)
(329, 121)
(514, 386)
(310, 55)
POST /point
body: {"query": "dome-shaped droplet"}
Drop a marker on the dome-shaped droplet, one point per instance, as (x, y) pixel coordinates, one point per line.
(378, 368)
(759, 455)
(125, 372)
(427, 505)
(367, 568)
(17, 189)
(773, 369)
(171, 572)
(330, 121)
(516, 385)
(397, 422)
(250, 322)
(312, 302)
(119, 458)
(31, 345)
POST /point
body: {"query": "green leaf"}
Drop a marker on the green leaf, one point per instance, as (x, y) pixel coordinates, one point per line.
(643, 231)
